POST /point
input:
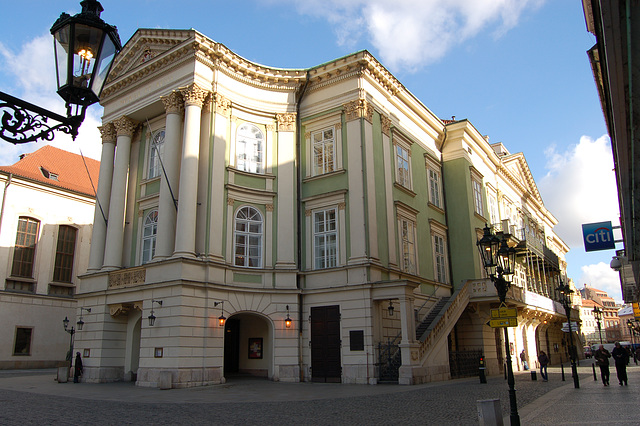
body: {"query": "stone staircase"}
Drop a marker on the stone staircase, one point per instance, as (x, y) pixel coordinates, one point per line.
(431, 316)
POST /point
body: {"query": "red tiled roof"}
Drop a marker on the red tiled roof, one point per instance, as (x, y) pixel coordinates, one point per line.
(69, 168)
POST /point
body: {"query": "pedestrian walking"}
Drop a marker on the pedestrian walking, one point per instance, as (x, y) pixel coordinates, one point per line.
(621, 358)
(543, 359)
(78, 368)
(602, 359)
(523, 358)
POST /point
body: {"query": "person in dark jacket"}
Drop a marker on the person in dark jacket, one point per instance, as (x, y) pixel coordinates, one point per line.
(602, 358)
(621, 358)
(78, 368)
(543, 359)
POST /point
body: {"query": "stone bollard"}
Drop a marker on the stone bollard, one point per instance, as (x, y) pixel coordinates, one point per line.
(63, 374)
(489, 412)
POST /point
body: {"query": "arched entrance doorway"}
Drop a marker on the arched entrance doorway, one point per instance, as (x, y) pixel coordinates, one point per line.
(248, 346)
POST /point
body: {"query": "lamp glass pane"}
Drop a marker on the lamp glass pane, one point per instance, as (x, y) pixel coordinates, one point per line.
(61, 48)
(107, 55)
(85, 50)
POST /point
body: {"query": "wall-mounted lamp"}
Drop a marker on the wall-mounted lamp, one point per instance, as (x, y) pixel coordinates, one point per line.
(287, 320)
(221, 318)
(390, 308)
(80, 323)
(152, 318)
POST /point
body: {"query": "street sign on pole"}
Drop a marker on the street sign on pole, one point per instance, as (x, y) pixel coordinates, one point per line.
(503, 322)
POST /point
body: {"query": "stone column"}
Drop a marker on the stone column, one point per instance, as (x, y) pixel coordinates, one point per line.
(389, 169)
(125, 128)
(99, 233)
(286, 191)
(194, 97)
(167, 208)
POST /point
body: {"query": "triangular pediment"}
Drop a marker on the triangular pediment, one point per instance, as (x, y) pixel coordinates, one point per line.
(517, 165)
(145, 46)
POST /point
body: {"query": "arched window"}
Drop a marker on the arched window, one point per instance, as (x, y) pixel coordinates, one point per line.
(149, 232)
(156, 150)
(248, 238)
(249, 149)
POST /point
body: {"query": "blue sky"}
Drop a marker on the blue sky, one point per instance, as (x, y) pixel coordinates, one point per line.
(518, 70)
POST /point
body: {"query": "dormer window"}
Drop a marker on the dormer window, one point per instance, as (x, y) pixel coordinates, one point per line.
(49, 175)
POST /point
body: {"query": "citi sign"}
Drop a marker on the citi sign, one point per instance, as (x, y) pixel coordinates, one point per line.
(598, 236)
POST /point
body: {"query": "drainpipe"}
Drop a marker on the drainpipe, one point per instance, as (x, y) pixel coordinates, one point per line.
(4, 197)
(446, 210)
(298, 220)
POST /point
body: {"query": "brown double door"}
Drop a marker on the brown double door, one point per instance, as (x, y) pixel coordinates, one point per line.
(325, 344)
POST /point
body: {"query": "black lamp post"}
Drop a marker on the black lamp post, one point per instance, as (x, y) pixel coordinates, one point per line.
(498, 260)
(85, 47)
(565, 300)
(597, 313)
(72, 332)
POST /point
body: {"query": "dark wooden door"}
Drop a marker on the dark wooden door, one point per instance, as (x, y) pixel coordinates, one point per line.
(231, 346)
(325, 344)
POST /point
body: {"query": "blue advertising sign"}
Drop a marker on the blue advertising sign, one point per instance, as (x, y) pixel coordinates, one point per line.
(598, 236)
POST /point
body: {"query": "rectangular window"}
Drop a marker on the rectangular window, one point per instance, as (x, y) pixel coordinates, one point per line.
(493, 209)
(65, 250)
(434, 188)
(407, 238)
(440, 253)
(22, 344)
(323, 151)
(403, 167)
(325, 239)
(477, 197)
(25, 248)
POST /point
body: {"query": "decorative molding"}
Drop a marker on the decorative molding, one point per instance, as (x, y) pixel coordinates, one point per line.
(194, 95)
(338, 125)
(230, 201)
(307, 213)
(108, 133)
(307, 135)
(286, 122)
(270, 127)
(125, 126)
(124, 308)
(386, 125)
(222, 105)
(342, 206)
(358, 108)
(173, 103)
(269, 207)
(127, 277)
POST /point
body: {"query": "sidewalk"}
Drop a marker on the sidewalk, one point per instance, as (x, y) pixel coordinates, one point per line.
(242, 400)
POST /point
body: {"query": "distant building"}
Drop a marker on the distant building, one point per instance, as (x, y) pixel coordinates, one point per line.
(610, 321)
(46, 214)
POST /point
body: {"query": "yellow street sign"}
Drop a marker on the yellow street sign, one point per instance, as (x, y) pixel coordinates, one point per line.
(503, 322)
(504, 312)
(636, 310)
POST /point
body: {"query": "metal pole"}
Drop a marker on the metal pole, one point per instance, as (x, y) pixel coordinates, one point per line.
(502, 286)
(572, 351)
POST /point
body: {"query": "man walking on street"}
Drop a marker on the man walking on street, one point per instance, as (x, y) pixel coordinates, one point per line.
(602, 358)
(621, 358)
(543, 359)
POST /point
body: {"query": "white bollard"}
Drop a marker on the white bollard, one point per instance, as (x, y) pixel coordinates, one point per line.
(489, 412)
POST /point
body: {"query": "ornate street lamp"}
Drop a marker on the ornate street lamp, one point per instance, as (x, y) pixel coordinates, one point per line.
(597, 313)
(152, 318)
(565, 300)
(71, 331)
(221, 319)
(85, 47)
(498, 260)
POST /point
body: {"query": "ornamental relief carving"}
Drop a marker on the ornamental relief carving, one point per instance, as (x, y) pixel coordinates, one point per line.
(108, 133)
(286, 122)
(222, 105)
(173, 103)
(127, 278)
(359, 108)
(125, 126)
(386, 125)
(194, 95)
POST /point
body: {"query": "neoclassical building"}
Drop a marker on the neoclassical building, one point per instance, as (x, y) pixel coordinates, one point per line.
(293, 224)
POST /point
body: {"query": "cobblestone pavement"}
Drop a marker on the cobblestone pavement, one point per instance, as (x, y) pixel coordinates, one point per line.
(37, 399)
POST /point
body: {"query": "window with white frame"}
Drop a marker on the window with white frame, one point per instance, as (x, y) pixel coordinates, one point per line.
(323, 151)
(440, 258)
(248, 238)
(325, 239)
(403, 165)
(250, 149)
(408, 244)
(156, 150)
(149, 233)
(493, 209)
(477, 196)
(434, 176)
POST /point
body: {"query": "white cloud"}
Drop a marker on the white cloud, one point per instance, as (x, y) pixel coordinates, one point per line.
(409, 34)
(580, 187)
(602, 277)
(31, 73)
